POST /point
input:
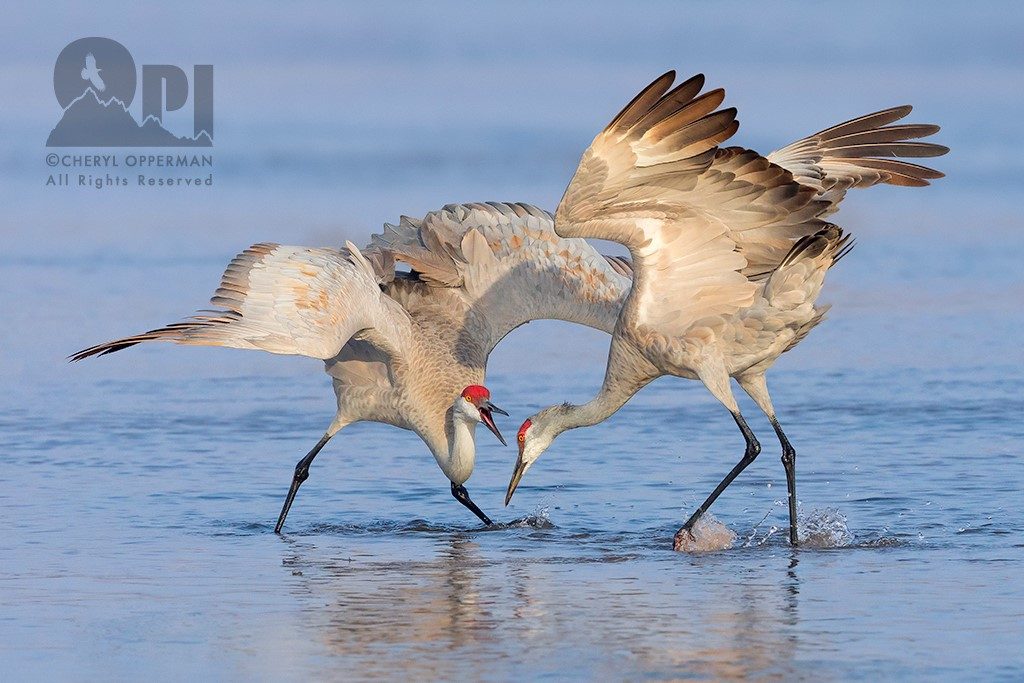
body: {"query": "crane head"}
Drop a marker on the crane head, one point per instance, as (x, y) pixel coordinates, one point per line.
(479, 397)
(534, 437)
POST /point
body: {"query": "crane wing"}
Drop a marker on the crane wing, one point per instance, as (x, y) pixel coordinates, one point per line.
(861, 152)
(289, 300)
(702, 222)
(509, 267)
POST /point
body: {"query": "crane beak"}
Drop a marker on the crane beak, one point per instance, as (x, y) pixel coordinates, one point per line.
(517, 475)
(486, 408)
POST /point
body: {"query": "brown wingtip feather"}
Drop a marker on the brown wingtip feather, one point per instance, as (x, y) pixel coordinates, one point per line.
(899, 172)
(665, 121)
(678, 122)
(682, 97)
(654, 94)
(830, 238)
(179, 332)
(887, 149)
(845, 247)
(866, 151)
(104, 349)
(870, 121)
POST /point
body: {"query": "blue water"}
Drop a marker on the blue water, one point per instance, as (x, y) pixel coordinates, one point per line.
(139, 491)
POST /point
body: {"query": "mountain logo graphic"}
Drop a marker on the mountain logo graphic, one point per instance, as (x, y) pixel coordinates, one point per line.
(95, 81)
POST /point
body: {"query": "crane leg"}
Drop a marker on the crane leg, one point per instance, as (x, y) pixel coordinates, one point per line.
(789, 463)
(757, 389)
(716, 378)
(462, 495)
(749, 455)
(301, 475)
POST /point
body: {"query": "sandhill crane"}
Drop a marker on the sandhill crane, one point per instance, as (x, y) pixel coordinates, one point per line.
(408, 349)
(729, 250)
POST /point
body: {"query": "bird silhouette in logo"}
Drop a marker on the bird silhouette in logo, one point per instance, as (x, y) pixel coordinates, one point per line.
(92, 74)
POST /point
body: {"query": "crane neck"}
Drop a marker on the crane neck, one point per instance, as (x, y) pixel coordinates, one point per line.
(461, 448)
(627, 373)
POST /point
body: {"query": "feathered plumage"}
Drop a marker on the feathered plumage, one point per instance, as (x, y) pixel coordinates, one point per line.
(729, 248)
(401, 346)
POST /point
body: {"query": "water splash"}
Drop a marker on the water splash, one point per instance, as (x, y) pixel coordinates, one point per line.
(824, 528)
(538, 519)
(753, 532)
(708, 535)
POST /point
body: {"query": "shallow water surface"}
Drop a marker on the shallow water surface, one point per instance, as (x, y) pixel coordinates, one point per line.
(141, 538)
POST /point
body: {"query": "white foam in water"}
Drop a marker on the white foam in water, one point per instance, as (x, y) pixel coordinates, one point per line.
(540, 519)
(824, 528)
(709, 535)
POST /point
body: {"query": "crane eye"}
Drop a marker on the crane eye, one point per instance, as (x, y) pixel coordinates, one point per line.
(469, 399)
(522, 438)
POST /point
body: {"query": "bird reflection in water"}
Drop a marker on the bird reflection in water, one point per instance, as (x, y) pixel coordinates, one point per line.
(380, 612)
(467, 605)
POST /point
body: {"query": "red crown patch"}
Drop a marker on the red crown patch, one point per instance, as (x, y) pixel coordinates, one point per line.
(522, 430)
(476, 392)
